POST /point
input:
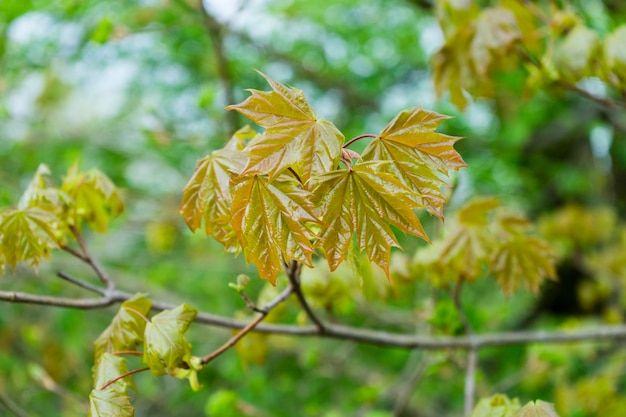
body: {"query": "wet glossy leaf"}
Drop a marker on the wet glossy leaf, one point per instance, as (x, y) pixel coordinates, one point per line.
(365, 201)
(96, 200)
(270, 221)
(419, 155)
(165, 346)
(27, 235)
(126, 329)
(294, 137)
(207, 195)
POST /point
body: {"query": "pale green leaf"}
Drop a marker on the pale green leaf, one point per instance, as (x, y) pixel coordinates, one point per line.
(576, 55)
(114, 399)
(109, 403)
(294, 138)
(126, 329)
(27, 235)
(110, 367)
(96, 200)
(498, 405)
(537, 409)
(165, 346)
(270, 219)
(615, 57)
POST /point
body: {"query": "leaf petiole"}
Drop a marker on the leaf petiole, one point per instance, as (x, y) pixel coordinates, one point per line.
(137, 312)
(354, 139)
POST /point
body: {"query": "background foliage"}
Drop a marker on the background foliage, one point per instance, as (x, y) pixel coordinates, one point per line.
(138, 89)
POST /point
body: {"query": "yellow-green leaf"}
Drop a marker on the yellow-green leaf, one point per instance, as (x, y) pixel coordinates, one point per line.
(114, 399)
(576, 55)
(126, 329)
(537, 409)
(207, 195)
(270, 221)
(294, 138)
(418, 155)
(497, 405)
(165, 346)
(27, 235)
(96, 200)
(496, 35)
(365, 200)
(522, 259)
(615, 57)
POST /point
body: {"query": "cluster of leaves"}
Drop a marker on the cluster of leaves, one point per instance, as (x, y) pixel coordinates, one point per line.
(482, 236)
(166, 351)
(46, 215)
(281, 195)
(555, 45)
(500, 405)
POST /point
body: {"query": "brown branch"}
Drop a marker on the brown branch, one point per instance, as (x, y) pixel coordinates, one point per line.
(336, 331)
(293, 271)
(89, 260)
(263, 312)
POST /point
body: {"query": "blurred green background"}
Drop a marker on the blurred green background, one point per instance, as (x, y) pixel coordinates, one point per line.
(138, 89)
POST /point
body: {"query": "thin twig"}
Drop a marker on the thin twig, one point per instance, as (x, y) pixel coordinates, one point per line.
(11, 406)
(469, 394)
(80, 283)
(216, 32)
(293, 271)
(88, 259)
(341, 332)
(249, 327)
(249, 303)
(124, 375)
(406, 390)
(366, 135)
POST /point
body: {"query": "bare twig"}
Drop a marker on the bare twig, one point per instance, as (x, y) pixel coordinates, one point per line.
(216, 32)
(80, 283)
(86, 257)
(11, 406)
(336, 331)
(263, 312)
(472, 354)
(293, 271)
(406, 390)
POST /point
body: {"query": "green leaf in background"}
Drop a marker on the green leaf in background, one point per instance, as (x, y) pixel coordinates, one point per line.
(497, 405)
(165, 346)
(114, 399)
(537, 409)
(96, 200)
(126, 329)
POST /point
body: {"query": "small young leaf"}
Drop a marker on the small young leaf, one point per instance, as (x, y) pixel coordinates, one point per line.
(126, 329)
(114, 399)
(27, 235)
(165, 345)
(537, 409)
(96, 200)
(418, 155)
(270, 221)
(294, 138)
(108, 402)
(367, 201)
(498, 405)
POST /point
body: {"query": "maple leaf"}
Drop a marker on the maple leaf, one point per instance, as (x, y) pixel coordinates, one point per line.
(95, 199)
(207, 195)
(270, 219)
(113, 400)
(294, 138)
(537, 409)
(418, 154)
(524, 259)
(367, 201)
(27, 235)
